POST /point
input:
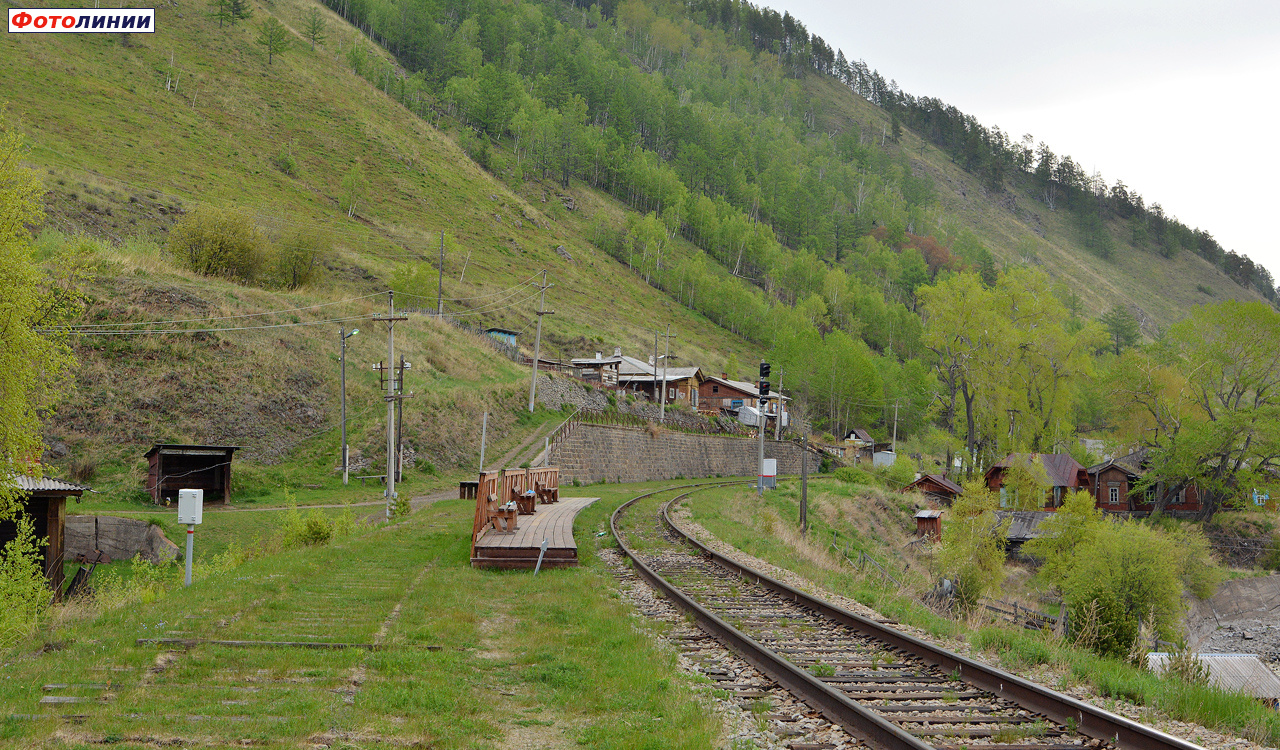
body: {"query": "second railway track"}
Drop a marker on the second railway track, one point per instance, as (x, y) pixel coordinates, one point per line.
(885, 688)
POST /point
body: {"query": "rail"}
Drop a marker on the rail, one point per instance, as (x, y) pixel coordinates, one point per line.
(859, 721)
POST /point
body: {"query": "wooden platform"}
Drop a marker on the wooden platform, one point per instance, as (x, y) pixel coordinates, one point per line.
(520, 550)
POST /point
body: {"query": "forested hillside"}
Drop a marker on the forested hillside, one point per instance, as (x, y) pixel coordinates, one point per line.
(855, 235)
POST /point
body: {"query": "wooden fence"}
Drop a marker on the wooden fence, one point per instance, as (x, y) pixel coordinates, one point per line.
(1029, 618)
(490, 485)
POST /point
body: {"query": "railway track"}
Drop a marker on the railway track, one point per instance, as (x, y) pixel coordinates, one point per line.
(884, 688)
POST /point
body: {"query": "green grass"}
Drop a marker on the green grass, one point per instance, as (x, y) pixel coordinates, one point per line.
(558, 655)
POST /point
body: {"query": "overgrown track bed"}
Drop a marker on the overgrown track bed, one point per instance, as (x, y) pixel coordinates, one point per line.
(884, 687)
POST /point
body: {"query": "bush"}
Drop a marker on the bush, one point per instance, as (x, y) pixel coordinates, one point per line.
(217, 242)
(310, 530)
(296, 258)
(973, 545)
(854, 475)
(23, 595)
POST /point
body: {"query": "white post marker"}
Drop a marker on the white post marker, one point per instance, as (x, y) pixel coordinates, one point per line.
(190, 512)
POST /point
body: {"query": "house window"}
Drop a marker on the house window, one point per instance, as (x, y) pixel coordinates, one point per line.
(1004, 497)
(715, 389)
(1115, 495)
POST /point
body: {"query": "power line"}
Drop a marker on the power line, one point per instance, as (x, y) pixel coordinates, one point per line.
(208, 330)
(86, 326)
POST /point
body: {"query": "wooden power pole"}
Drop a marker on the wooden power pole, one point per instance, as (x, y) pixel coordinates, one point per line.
(391, 397)
(537, 342)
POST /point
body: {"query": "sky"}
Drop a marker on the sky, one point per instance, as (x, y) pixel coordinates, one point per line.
(1176, 98)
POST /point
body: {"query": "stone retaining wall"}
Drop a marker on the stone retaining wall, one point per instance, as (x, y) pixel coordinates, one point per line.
(119, 538)
(632, 454)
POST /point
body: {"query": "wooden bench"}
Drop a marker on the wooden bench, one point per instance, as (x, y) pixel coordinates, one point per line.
(546, 495)
(526, 501)
(502, 516)
(468, 490)
(382, 478)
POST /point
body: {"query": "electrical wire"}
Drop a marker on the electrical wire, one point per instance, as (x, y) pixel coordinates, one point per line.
(87, 326)
(212, 330)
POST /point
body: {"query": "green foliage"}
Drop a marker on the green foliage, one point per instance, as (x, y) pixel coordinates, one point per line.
(298, 530)
(218, 242)
(35, 364)
(285, 162)
(296, 257)
(24, 592)
(353, 187)
(973, 545)
(1122, 327)
(854, 475)
(313, 27)
(1114, 575)
(273, 37)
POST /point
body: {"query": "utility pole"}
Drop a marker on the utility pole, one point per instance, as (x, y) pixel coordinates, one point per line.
(537, 341)
(342, 333)
(400, 419)
(804, 486)
(895, 427)
(662, 409)
(440, 288)
(391, 318)
(655, 365)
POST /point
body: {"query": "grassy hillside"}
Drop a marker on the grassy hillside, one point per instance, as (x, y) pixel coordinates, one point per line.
(124, 158)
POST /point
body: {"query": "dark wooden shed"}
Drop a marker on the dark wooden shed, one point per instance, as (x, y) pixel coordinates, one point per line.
(198, 467)
(936, 487)
(45, 501)
(929, 524)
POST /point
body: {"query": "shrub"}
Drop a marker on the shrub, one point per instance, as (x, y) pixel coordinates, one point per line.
(215, 242)
(973, 545)
(284, 161)
(23, 596)
(854, 475)
(297, 257)
(310, 530)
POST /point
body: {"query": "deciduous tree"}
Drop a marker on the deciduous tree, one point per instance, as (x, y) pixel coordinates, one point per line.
(273, 36)
(313, 26)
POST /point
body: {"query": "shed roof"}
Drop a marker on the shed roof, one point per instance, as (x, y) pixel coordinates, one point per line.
(1024, 525)
(590, 361)
(1061, 469)
(940, 480)
(175, 447)
(858, 433)
(927, 513)
(507, 331)
(28, 483)
(1243, 673)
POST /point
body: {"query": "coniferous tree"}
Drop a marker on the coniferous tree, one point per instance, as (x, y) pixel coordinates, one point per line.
(1122, 327)
(313, 26)
(238, 10)
(274, 36)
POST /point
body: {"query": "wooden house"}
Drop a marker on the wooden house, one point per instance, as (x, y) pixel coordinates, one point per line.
(681, 383)
(45, 501)
(198, 467)
(1062, 473)
(1113, 482)
(600, 369)
(720, 394)
(936, 487)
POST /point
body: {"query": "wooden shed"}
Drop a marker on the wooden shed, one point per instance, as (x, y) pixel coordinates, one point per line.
(45, 501)
(936, 487)
(929, 524)
(198, 467)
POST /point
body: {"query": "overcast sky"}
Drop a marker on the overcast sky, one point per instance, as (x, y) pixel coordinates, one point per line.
(1176, 98)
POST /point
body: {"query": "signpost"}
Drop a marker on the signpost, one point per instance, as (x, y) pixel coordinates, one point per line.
(190, 512)
(764, 394)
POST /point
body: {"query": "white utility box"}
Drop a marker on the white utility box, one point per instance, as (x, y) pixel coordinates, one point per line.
(190, 506)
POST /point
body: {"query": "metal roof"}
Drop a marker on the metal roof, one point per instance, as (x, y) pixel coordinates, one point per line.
(1060, 468)
(1243, 673)
(1024, 525)
(939, 480)
(46, 484)
(928, 513)
(745, 387)
(182, 446)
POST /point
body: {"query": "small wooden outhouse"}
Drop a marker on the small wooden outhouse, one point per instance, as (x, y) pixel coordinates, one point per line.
(45, 501)
(929, 524)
